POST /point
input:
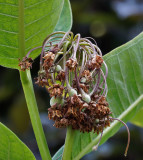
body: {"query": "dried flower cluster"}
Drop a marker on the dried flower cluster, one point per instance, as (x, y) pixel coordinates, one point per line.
(71, 68)
(78, 89)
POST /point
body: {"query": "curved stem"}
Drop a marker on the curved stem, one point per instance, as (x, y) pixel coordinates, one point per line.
(34, 114)
(66, 79)
(83, 64)
(62, 40)
(76, 46)
(91, 39)
(98, 50)
(92, 46)
(96, 147)
(64, 55)
(128, 143)
(27, 55)
(77, 81)
(67, 154)
(97, 84)
(43, 47)
(58, 32)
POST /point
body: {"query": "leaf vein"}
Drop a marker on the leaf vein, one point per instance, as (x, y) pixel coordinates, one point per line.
(9, 46)
(8, 4)
(8, 31)
(35, 4)
(7, 15)
(36, 33)
(123, 78)
(133, 72)
(26, 25)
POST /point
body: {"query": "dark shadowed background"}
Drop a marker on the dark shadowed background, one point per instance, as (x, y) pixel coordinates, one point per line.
(111, 23)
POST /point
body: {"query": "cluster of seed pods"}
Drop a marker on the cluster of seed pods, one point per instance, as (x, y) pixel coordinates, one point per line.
(74, 73)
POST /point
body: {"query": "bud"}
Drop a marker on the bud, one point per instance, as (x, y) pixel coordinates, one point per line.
(58, 68)
(57, 100)
(72, 92)
(83, 80)
(86, 98)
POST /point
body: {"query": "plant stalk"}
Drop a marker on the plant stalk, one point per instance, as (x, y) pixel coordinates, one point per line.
(67, 154)
(34, 114)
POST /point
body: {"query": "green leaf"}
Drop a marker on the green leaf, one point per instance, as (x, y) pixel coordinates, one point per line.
(65, 21)
(125, 97)
(58, 155)
(138, 119)
(24, 24)
(11, 147)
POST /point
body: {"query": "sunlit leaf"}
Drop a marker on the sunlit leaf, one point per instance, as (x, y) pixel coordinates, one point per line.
(11, 147)
(65, 21)
(24, 24)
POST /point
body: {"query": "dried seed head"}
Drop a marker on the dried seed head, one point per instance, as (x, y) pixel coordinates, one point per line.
(71, 70)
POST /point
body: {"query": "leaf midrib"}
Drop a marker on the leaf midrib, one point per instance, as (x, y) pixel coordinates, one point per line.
(21, 38)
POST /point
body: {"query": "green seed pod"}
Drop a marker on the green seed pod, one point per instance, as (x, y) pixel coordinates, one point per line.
(58, 100)
(86, 98)
(97, 120)
(83, 80)
(72, 92)
(58, 68)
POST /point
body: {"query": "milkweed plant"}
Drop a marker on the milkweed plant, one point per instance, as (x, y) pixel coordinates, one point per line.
(74, 73)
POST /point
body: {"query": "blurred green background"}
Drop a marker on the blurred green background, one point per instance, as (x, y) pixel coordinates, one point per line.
(111, 23)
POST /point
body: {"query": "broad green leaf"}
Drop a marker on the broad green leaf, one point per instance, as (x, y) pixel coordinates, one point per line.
(24, 24)
(65, 21)
(11, 147)
(125, 91)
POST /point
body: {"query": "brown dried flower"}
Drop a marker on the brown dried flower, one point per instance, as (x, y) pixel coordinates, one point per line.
(48, 60)
(95, 62)
(87, 75)
(26, 63)
(61, 76)
(71, 64)
(56, 90)
(55, 49)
